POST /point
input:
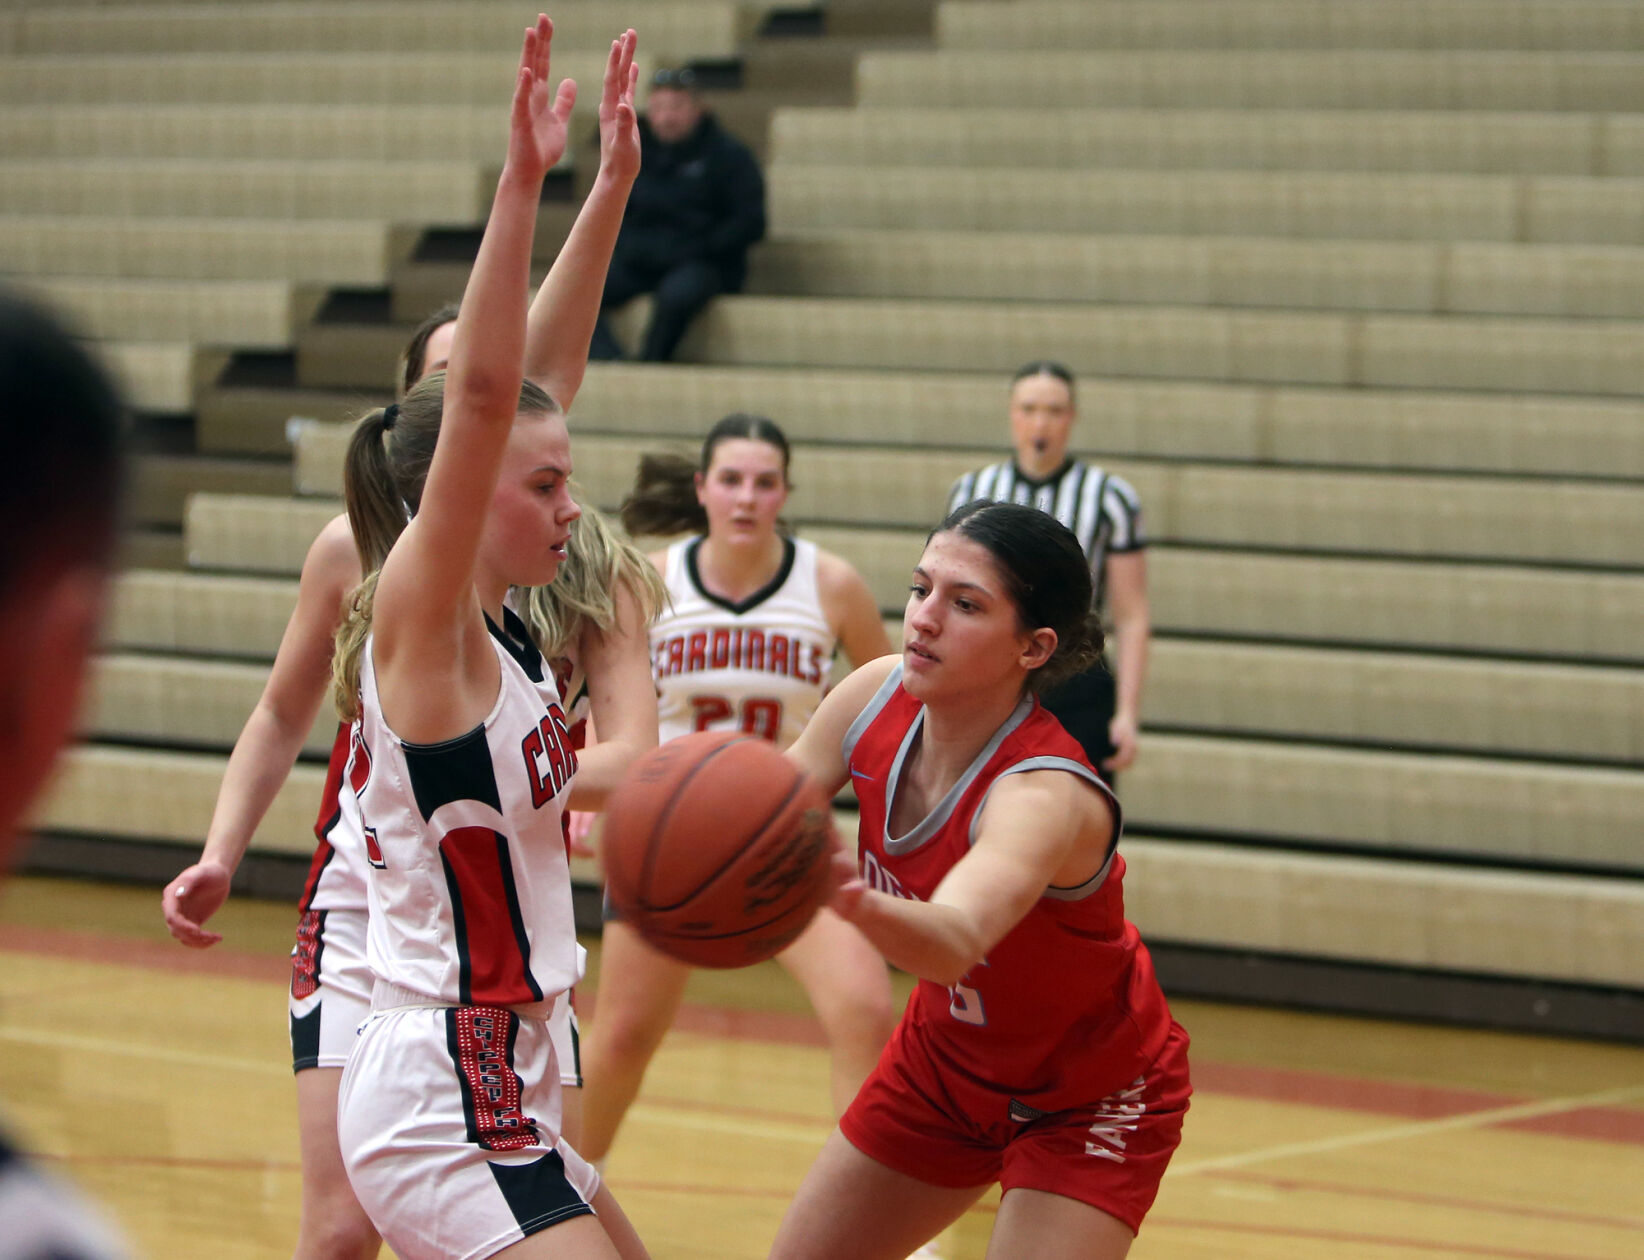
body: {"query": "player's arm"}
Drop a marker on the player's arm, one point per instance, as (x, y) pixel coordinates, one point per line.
(850, 609)
(1132, 632)
(272, 737)
(1039, 828)
(433, 657)
(622, 694)
(820, 748)
(560, 323)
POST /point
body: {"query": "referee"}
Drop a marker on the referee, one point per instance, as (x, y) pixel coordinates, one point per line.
(1099, 708)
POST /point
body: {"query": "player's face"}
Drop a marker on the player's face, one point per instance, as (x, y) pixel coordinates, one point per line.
(532, 509)
(1041, 418)
(672, 114)
(743, 490)
(962, 632)
(436, 352)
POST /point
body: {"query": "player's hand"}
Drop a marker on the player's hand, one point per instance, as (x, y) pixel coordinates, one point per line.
(539, 125)
(579, 831)
(1123, 734)
(192, 898)
(847, 885)
(618, 121)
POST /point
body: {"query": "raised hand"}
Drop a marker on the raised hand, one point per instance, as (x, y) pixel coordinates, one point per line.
(540, 125)
(618, 121)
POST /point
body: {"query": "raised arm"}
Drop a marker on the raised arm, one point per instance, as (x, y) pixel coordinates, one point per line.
(1039, 828)
(425, 600)
(561, 321)
(272, 737)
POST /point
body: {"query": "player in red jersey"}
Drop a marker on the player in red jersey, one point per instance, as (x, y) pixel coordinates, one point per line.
(1037, 1050)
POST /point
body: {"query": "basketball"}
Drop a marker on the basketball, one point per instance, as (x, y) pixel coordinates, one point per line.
(716, 849)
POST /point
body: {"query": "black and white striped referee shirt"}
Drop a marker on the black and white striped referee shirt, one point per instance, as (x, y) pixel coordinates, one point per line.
(1101, 509)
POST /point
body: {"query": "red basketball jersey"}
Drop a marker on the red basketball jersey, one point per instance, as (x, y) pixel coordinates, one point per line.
(1064, 1009)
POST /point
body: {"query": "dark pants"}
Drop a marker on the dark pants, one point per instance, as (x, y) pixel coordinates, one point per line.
(678, 293)
(1084, 705)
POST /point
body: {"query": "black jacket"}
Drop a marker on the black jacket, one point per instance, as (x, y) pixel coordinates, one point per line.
(703, 197)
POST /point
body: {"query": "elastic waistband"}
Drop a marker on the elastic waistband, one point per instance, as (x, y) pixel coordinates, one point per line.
(388, 996)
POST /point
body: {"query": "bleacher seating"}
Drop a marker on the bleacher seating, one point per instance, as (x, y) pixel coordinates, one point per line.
(1355, 290)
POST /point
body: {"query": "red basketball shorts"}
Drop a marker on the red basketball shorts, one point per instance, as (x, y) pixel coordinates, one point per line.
(949, 1130)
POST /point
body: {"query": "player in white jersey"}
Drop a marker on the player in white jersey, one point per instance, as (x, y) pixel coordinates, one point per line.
(758, 665)
(748, 646)
(597, 625)
(448, 1113)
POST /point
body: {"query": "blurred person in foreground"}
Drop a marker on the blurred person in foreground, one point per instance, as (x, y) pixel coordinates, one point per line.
(59, 511)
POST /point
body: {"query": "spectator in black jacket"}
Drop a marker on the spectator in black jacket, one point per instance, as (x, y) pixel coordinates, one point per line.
(697, 206)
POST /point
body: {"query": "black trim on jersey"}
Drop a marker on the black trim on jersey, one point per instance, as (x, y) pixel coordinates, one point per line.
(1036, 484)
(305, 1041)
(518, 643)
(458, 769)
(539, 1194)
(783, 571)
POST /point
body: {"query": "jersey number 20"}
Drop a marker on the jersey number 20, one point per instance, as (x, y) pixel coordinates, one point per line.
(758, 715)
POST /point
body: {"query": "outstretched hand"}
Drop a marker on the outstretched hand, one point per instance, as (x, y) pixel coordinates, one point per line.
(191, 899)
(540, 125)
(618, 121)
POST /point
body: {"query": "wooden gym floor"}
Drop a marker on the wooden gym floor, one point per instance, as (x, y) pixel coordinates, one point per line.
(160, 1080)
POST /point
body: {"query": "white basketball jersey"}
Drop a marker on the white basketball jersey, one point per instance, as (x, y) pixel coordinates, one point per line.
(758, 666)
(470, 889)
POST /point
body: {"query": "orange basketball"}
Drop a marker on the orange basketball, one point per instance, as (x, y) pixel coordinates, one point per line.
(716, 849)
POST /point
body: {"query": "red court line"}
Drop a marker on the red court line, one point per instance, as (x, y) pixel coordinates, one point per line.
(1432, 1200)
(1600, 1124)
(1285, 1085)
(1373, 1240)
(132, 951)
(1318, 1089)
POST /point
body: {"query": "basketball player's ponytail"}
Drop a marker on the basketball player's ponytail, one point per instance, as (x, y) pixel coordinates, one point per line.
(663, 500)
(384, 471)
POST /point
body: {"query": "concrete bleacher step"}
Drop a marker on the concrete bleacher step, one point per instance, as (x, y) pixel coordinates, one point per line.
(160, 376)
(1491, 609)
(998, 138)
(1563, 817)
(1457, 277)
(335, 252)
(1406, 604)
(1407, 429)
(160, 485)
(1404, 914)
(178, 701)
(239, 313)
(143, 547)
(117, 793)
(678, 29)
(1306, 79)
(280, 131)
(1396, 700)
(1499, 519)
(426, 192)
(315, 78)
(1396, 206)
(1419, 24)
(1280, 347)
(1411, 914)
